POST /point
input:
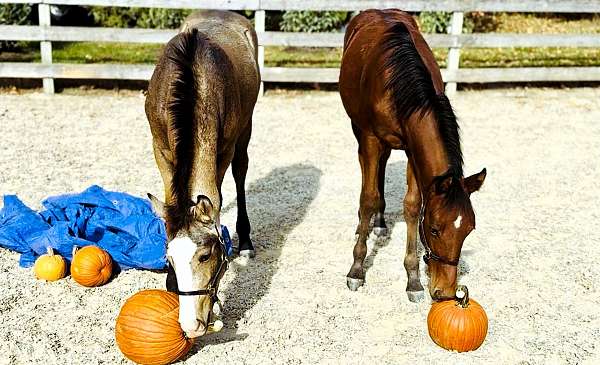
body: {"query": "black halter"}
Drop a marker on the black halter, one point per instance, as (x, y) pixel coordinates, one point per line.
(429, 254)
(213, 285)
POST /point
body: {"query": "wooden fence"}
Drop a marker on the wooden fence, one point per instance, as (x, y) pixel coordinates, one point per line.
(45, 33)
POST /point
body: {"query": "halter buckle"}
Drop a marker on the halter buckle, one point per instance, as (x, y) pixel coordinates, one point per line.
(427, 258)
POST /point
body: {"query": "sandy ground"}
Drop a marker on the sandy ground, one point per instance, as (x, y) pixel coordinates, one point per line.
(532, 262)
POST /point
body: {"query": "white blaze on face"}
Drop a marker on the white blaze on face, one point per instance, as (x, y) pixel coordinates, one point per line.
(458, 221)
(181, 251)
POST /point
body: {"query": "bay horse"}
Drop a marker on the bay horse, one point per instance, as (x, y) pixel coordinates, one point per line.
(199, 106)
(392, 90)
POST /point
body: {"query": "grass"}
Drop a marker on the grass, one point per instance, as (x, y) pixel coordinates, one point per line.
(314, 57)
(530, 57)
(86, 52)
(470, 58)
(302, 57)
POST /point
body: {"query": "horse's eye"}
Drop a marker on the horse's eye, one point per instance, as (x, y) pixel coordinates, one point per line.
(204, 258)
(435, 232)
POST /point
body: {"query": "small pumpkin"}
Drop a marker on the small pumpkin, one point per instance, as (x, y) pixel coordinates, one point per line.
(460, 325)
(91, 266)
(148, 331)
(50, 267)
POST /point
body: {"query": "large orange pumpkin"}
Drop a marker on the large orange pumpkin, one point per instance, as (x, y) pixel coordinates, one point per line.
(91, 266)
(460, 325)
(147, 329)
(50, 267)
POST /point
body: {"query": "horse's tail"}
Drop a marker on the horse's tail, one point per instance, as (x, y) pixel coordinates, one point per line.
(192, 61)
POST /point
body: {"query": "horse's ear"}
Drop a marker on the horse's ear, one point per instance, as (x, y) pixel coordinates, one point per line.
(443, 185)
(202, 210)
(474, 182)
(157, 205)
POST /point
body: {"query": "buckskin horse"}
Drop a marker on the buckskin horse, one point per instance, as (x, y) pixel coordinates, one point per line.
(392, 90)
(199, 106)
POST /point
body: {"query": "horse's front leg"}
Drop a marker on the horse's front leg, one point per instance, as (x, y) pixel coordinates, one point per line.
(369, 154)
(239, 169)
(412, 210)
(379, 227)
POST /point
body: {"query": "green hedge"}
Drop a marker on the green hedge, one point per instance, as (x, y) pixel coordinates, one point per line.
(19, 14)
(138, 17)
(312, 21)
(439, 22)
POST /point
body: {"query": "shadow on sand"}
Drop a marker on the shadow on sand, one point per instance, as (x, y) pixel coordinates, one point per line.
(395, 189)
(277, 203)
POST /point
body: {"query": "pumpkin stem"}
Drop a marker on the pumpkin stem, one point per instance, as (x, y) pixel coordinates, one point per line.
(50, 251)
(462, 296)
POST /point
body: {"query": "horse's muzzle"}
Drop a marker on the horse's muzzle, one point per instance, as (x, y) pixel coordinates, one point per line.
(191, 332)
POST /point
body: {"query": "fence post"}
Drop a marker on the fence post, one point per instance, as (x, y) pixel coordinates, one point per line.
(259, 26)
(46, 47)
(452, 62)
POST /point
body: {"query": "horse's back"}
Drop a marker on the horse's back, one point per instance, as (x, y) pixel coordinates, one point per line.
(214, 58)
(236, 36)
(192, 72)
(206, 19)
(364, 57)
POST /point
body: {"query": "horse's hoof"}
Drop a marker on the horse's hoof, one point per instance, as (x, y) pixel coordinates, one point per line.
(247, 253)
(380, 231)
(354, 284)
(415, 296)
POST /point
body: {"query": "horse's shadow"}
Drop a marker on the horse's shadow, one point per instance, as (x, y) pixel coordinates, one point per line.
(277, 203)
(395, 189)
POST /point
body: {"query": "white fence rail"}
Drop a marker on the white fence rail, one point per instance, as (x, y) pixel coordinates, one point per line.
(455, 40)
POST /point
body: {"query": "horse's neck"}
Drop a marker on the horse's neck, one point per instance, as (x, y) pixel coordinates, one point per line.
(203, 180)
(426, 149)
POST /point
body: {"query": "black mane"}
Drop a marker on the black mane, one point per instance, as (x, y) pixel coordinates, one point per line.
(412, 88)
(180, 53)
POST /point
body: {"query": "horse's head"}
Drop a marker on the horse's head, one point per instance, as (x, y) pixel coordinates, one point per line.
(447, 220)
(197, 261)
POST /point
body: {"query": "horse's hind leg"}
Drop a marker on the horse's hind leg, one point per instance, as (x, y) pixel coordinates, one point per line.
(379, 227)
(370, 151)
(239, 167)
(412, 210)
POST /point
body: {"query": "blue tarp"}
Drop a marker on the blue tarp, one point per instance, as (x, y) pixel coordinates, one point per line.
(123, 225)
